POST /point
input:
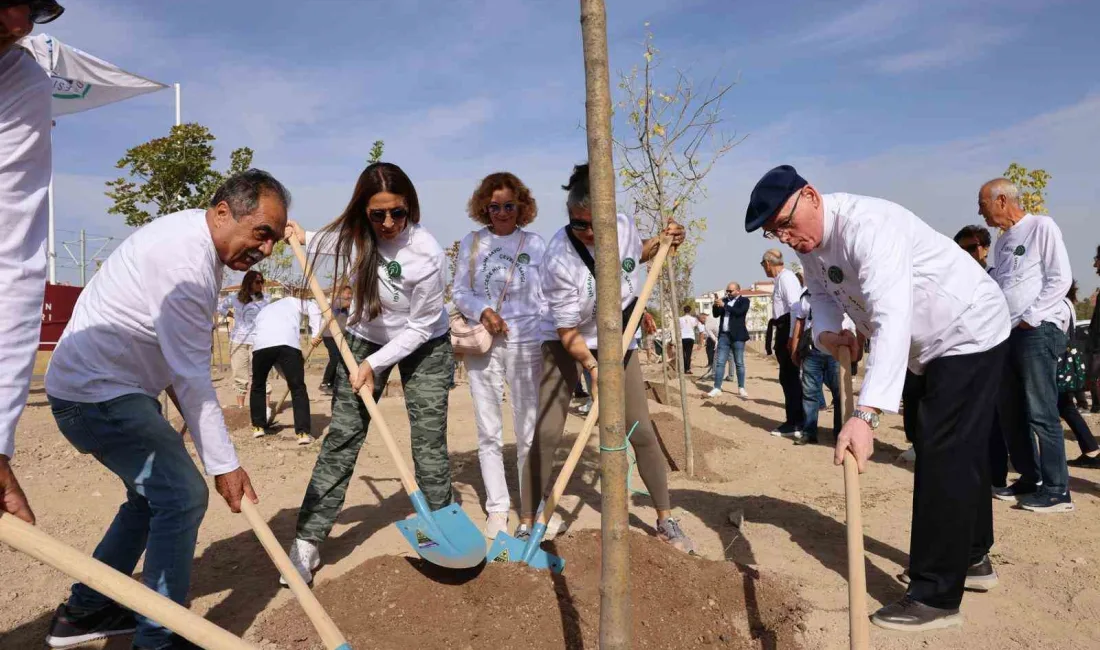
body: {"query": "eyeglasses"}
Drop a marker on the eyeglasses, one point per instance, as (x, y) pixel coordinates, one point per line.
(379, 216)
(580, 225)
(42, 11)
(508, 208)
(783, 224)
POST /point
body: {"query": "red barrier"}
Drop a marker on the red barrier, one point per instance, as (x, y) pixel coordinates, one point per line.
(56, 311)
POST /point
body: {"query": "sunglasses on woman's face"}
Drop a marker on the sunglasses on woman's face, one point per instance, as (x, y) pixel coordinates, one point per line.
(379, 216)
(508, 208)
(258, 281)
(580, 225)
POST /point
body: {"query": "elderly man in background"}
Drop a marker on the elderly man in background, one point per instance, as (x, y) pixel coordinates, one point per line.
(26, 165)
(786, 292)
(924, 304)
(1032, 268)
(729, 312)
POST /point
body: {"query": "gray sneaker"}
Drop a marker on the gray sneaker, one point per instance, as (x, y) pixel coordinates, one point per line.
(669, 532)
(907, 615)
(523, 533)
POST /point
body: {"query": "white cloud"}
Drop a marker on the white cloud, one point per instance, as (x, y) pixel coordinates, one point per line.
(964, 44)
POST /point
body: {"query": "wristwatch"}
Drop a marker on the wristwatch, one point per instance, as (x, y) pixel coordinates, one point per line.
(591, 365)
(870, 417)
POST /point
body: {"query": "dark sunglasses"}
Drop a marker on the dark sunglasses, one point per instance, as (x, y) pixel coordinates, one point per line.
(41, 11)
(580, 225)
(508, 208)
(379, 216)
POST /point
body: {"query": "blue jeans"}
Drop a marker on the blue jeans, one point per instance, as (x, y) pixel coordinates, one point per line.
(819, 370)
(166, 498)
(1031, 404)
(725, 347)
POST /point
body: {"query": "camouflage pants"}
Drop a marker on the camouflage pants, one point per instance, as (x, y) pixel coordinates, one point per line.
(425, 377)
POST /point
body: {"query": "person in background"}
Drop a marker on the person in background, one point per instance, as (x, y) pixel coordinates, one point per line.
(649, 331)
(1032, 269)
(245, 305)
(710, 335)
(819, 369)
(277, 342)
(786, 292)
(689, 331)
(497, 283)
(976, 241)
(1071, 376)
(1092, 342)
(341, 307)
(730, 313)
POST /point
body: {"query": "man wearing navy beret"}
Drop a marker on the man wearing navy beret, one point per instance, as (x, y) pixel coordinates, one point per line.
(925, 305)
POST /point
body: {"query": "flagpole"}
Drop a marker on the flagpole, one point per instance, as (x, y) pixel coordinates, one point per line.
(178, 121)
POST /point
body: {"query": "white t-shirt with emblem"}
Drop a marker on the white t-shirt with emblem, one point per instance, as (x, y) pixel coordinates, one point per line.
(914, 293)
(570, 289)
(492, 260)
(244, 317)
(410, 284)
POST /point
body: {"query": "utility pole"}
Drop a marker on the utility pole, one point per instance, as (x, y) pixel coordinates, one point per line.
(83, 257)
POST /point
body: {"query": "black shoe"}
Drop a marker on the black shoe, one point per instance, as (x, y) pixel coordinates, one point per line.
(979, 577)
(907, 615)
(1014, 492)
(802, 439)
(581, 394)
(1044, 502)
(1084, 460)
(326, 389)
(69, 630)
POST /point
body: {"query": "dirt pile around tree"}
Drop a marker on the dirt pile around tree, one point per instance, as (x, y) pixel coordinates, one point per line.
(678, 601)
(670, 433)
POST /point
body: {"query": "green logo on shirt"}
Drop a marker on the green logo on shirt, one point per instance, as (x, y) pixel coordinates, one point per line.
(629, 265)
(836, 276)
(1020, 250)
(524, 258)
(393, 269)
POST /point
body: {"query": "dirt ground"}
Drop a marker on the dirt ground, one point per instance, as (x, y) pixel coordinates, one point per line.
(791, 499)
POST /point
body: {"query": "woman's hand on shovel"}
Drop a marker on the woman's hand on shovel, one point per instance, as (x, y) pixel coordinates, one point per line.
(233, 486)
(364, 378)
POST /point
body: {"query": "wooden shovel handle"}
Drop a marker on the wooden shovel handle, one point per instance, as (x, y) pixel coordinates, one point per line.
(118, 587)
(407, 478)
(858, 628)
(593, 415)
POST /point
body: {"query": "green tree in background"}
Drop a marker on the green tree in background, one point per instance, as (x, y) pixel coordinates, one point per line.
(376, 152)
(170, 174)
(1032, 184)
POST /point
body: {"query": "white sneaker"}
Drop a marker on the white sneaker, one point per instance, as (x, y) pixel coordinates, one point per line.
(554, 526)
(495, 523)
(743, 393)
(585, 408)
(306, 558)
(715, 392)
(908, 456)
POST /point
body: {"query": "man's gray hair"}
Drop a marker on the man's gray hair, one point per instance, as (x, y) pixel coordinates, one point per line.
(999, 187)
(773, 256)
(242, 192)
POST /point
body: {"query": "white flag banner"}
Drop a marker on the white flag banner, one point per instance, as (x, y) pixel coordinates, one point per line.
(82, 81)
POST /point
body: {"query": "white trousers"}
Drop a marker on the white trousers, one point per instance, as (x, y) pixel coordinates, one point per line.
(520, 364)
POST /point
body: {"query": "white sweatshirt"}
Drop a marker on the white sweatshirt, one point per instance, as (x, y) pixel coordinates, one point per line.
(244, 317)
(1032, 268)
(570, 290)
(410, 282)
(280, 323)
(143, 324)
(914, 293)
(786, 291)
(523, 303)
(25, 168)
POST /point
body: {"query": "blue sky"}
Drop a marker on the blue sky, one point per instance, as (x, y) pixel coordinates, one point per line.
(916, 102)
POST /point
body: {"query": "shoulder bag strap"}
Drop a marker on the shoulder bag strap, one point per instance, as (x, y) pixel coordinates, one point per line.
(508, 280)
(582, 251)
(473, 257)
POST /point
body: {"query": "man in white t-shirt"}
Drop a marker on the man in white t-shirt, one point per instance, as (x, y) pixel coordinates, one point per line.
(277, 343)
(689, 331)
(25, 169)
(786, 293)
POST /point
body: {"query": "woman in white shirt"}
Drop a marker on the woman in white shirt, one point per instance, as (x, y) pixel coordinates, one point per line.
(245, 304)
(569, 341)
(395, 269)
(497, 284)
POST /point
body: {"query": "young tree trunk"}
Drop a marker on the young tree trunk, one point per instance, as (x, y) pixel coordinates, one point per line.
(689, 454)
(664, 346)
(615, 623)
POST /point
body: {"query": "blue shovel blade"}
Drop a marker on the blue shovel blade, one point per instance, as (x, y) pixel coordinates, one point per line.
(445, 537)
(506, 548)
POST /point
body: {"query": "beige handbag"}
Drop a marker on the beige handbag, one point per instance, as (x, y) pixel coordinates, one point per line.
(475, 339)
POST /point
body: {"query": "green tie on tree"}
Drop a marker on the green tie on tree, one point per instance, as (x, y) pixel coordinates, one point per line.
(170, 174)
(1032, 184)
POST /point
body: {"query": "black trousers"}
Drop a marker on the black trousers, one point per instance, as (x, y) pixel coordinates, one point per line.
(689, 345)
(711, 346)
(789, 377)
(333, 360)
(952, 511)
(289, 361)
(910, 396)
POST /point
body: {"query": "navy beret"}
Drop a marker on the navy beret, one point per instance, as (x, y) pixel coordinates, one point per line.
(770, 192)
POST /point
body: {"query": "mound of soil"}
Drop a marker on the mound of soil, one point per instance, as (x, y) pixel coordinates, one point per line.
(655, 390)
(678, 601)
(670, 433)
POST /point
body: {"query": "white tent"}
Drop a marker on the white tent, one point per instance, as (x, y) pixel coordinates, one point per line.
(82, 82)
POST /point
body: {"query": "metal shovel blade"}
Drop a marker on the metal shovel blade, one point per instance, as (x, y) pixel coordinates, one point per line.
(506, 548)
(445, 537)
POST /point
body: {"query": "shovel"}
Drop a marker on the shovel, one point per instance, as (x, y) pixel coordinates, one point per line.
(858, 631)
(506, 548)
(286, 393)
(445, 537)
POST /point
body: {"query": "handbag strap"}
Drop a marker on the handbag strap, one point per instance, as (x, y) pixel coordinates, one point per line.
(508, 280)
(473, 257)
(582, 251)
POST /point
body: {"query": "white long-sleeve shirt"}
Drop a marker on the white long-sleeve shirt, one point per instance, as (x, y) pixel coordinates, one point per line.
(410, 284)
(25, 168)
(785, 292)
(914, 293)
(570, 289)
(523, 303)
(143, 324)
(1032, 268)
(244, 317)
(280, 323)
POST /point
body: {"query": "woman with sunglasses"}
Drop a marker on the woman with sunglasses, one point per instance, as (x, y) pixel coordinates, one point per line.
(395, 270)
(244, 304)
(569, 342)
(497, 284)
